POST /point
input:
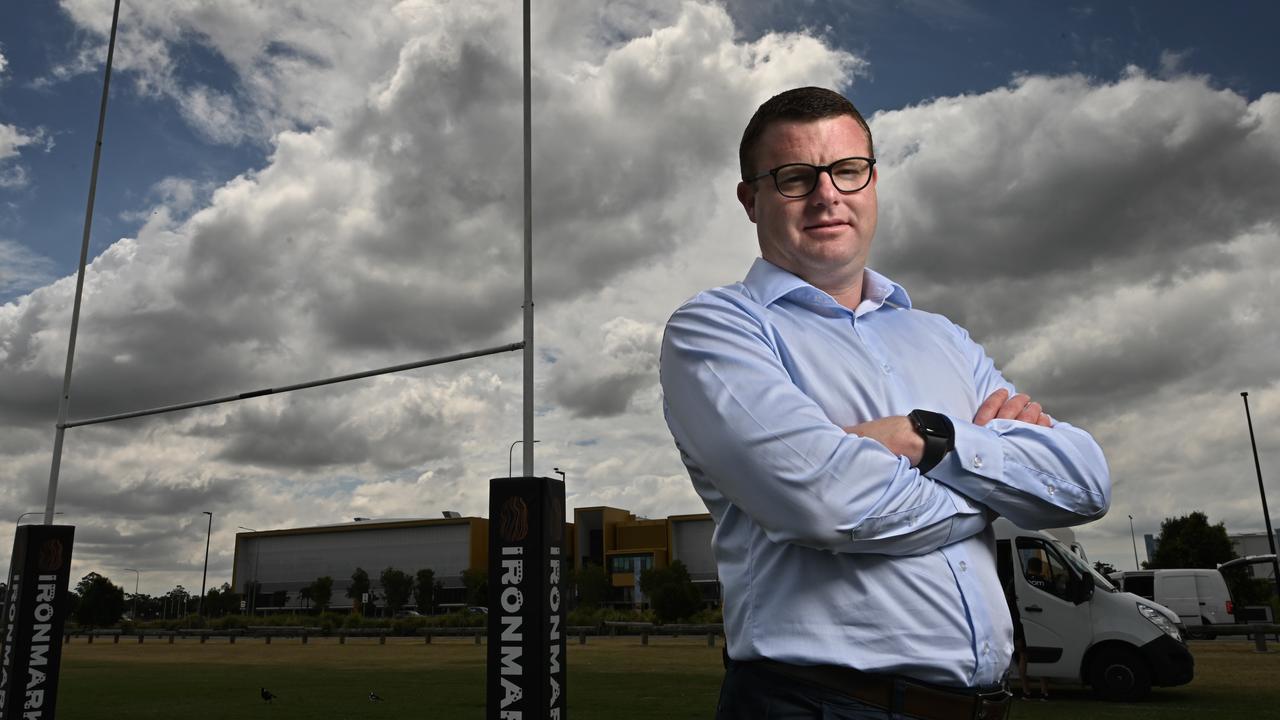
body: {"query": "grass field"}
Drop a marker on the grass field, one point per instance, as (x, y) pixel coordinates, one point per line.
(609, 678)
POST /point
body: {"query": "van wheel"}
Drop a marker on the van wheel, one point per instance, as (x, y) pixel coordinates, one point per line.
(1119, 673)
(1206, 626)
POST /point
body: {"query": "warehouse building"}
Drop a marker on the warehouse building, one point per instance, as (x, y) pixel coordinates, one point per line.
(280, 563)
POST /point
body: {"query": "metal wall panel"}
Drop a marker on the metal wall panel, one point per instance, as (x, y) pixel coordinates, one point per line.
(288, 562)
(691, 544)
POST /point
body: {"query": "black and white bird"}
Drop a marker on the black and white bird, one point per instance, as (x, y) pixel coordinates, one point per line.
(373, 697)
(267, 695)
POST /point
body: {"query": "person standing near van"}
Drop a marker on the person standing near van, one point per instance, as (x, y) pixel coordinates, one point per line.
(853, 451)
(1020, 644)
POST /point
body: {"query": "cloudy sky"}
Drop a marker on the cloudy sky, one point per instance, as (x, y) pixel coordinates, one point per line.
(296, 189)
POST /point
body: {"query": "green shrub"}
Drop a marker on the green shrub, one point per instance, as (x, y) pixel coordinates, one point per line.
(708, 616)
(596, 616)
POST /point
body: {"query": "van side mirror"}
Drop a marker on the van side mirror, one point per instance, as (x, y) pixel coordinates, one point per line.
(1081, 588)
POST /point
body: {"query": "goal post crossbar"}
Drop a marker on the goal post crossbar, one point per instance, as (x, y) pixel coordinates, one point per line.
(510, 347)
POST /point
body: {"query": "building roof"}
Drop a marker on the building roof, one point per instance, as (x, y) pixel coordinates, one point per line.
(364, 524)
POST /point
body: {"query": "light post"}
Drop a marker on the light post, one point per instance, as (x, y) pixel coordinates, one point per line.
(37, 512)
(136, 577)
(257, 545)
(1266, 516)
(19, 522)
(510, 450)
(205, 576)
(559, 472)
(1134, 539)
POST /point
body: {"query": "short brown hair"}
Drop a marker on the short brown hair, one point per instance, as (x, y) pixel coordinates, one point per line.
(804, 104)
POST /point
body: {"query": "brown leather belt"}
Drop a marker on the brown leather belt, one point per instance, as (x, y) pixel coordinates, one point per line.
(896, 693)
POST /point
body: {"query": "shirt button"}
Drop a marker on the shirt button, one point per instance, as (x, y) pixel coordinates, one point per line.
(963, 566)
(977, 461)
(986, 648)
(1051, 489)
(887, 368)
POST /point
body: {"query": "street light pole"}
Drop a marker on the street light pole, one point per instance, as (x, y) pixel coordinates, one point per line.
(19, 524)
(257, 545)
(37, 512)
(559, 472)
(1266, 515)
(136, 577)
(1134, 538)
(509, 451)
(205, 577)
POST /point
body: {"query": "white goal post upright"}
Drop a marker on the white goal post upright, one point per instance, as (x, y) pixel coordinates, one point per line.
(528, 252)
(64, 400)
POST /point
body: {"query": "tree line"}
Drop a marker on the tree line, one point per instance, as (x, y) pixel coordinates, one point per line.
(98, 602)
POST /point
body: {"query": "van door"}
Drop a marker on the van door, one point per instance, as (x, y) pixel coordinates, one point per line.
(1058, 630)
(1214, 597)
(1177, 591)
(1140, 584)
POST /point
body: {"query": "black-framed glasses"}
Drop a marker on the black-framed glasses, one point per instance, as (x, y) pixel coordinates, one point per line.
(796, 180)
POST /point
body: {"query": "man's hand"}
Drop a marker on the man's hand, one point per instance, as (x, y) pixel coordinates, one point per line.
(899, 435)
(896, 433)
(1019, 407)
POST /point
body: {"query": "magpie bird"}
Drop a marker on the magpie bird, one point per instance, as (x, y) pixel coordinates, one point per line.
(373, 697)
(267, 695)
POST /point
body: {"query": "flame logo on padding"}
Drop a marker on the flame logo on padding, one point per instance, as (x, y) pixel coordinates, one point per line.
(513, 520)
(50, 557)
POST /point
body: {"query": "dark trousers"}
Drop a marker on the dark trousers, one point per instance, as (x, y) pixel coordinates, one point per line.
(750, 692)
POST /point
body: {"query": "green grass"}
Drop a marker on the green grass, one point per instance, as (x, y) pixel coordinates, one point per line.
(610, 678)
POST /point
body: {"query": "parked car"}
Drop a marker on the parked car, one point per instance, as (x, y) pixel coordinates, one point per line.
(408, 613)
(1081, 628)
(1199, 596)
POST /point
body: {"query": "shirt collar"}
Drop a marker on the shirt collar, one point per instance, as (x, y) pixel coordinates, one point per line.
(768, 283)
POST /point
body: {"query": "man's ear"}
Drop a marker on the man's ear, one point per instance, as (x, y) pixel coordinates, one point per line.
(747, 196)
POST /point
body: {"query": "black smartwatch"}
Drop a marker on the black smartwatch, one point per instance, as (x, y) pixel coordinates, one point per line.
(939, 437)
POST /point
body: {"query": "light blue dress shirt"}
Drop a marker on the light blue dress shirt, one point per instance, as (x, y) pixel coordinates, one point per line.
(832, 549)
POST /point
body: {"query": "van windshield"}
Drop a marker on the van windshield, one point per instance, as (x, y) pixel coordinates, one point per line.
(1084, 568)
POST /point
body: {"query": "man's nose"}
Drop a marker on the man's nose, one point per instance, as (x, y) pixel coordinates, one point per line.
(825, 191)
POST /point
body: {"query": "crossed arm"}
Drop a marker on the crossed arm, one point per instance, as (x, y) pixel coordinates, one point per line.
(898, 435)
(755, 443)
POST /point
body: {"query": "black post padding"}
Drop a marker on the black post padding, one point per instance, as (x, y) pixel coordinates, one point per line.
(32, 615)
(526, 676)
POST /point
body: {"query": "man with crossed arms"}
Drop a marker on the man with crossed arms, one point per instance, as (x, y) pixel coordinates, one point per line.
(853, 451)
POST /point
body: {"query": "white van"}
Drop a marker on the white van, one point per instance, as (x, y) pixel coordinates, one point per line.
(1199, 596)
(1081, 628)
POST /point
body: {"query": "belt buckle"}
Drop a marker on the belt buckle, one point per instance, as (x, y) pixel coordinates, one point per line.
(992, 705)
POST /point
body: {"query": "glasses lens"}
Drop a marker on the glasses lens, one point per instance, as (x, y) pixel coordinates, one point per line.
(795, 180)
(851, 175)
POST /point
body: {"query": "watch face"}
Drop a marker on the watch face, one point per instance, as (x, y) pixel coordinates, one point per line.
(932, 423)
